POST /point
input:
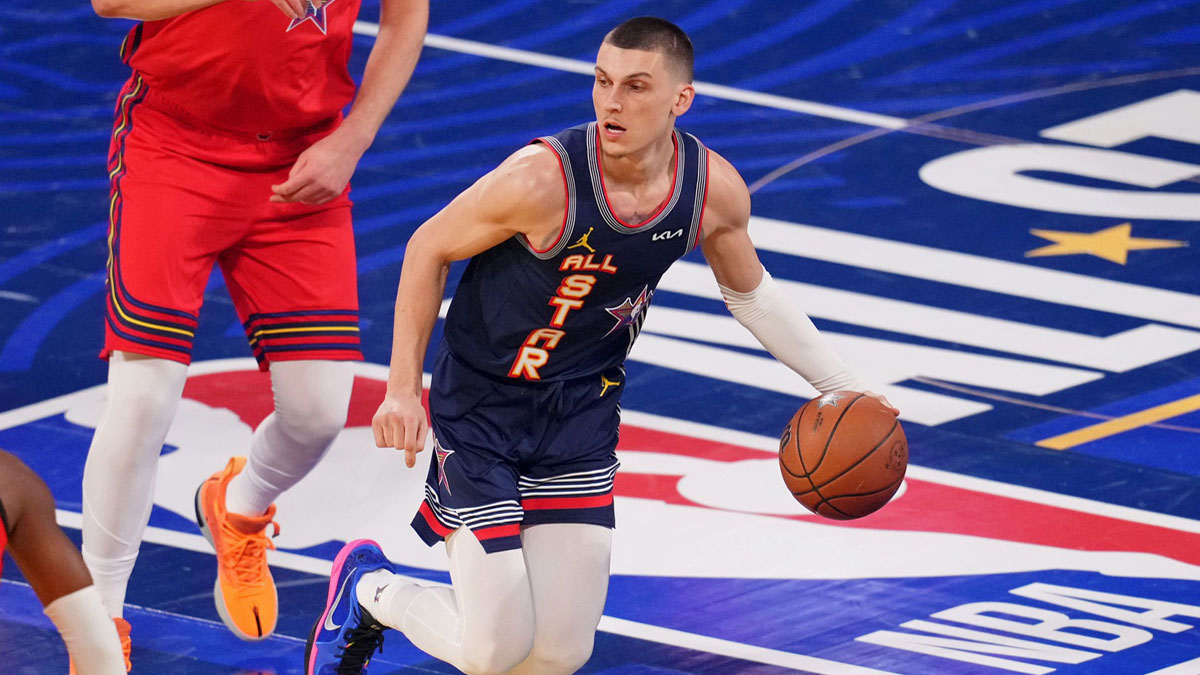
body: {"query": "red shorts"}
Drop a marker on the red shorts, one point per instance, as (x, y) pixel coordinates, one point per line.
(184, 198)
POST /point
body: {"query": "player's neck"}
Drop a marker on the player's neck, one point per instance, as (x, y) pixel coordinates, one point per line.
(641, 167)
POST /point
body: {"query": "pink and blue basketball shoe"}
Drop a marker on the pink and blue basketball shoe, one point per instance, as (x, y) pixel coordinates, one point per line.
(346, 635)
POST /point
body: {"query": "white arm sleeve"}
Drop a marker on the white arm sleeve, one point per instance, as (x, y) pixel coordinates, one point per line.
(89, 632)
(790, 336)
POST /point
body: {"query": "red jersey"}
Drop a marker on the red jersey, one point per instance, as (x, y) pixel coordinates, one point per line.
(243, 66)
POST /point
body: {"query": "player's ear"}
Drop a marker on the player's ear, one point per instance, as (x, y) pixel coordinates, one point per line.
(683, 99)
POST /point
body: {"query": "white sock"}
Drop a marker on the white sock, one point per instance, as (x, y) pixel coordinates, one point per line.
(88, 632)
(118, 477)
(311, 400)
(374, 593)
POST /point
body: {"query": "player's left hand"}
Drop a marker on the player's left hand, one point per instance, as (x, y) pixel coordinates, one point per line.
(886, 403)
(321, 172)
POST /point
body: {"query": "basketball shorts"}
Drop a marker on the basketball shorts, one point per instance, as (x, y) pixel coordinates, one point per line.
(510, 454)
(182, 199)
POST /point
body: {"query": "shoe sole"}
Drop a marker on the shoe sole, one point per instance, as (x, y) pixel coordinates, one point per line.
(334, 583)
(218, 596)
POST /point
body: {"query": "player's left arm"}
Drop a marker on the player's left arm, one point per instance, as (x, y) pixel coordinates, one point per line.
(323, 170)
(753, 297)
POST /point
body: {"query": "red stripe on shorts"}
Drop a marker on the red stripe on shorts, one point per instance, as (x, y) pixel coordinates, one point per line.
(546, 503)
(497, 531)
(432, 521)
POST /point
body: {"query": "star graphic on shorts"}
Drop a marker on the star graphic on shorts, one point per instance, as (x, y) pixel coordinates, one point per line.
(629, 311)
(442, 454)
(314, 12)
(830, 399)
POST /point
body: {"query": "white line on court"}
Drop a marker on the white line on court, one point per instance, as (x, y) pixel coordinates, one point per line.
(633, 629)
(704, 88)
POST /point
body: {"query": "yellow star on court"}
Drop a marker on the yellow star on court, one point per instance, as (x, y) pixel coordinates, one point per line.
(1112, 244)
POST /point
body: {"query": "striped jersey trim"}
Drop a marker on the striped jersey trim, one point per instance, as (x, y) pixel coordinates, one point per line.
(506, 512)
(701, 194)
(568, 226)
(133, 40)
(271, 330)
(332, 333)
(137, 321)
(581, 484)
(182, 348)
(599, 191)
(585, 489)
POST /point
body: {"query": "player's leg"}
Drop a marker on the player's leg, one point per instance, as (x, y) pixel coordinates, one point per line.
(292, 278)
(162, 243)
(122, 462)
(568, 567)
(569, 519)
(236, 505)
(55, 570)
(483, 624)
(311, 399)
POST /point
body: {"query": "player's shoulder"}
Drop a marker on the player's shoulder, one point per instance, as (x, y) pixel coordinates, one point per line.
(531, 171)
(728, 198)
(527, 186)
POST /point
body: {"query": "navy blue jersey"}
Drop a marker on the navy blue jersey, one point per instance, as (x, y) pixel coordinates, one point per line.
(575, 308)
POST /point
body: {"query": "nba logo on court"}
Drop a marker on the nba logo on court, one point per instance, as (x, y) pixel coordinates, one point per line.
(1020, 572)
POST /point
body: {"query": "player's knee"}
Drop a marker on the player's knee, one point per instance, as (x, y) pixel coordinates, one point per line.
(494, 657)
(312, 415)
(143, 407)
(563, 656)
(312, 398)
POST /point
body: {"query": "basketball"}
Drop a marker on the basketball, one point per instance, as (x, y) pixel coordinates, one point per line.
(843, 455)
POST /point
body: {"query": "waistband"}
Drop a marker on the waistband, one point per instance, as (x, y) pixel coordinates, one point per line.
(156, 100)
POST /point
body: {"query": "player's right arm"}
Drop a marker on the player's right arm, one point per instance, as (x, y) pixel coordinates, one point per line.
(522, 196)
(155, 10)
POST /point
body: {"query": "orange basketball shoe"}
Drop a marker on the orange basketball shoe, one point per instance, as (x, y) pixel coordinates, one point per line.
(126, 644)
(244, 591)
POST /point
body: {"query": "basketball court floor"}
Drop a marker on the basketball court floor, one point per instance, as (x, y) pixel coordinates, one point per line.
(990, 207)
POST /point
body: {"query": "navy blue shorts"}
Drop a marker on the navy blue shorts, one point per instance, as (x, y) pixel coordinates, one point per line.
(513, 453)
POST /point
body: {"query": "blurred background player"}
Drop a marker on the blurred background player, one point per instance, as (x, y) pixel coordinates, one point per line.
(230, 147)
(53, 567)
(568, 239)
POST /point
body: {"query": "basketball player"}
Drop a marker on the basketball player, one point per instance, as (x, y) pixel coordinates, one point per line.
(54, 569)
(230, 147)
(567, 238)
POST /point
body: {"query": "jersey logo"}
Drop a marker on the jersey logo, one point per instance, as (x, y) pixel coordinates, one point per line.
(627, 313)
(583, 241)
(606, 383)
(314, 12)
(662, 236)
(442, 455)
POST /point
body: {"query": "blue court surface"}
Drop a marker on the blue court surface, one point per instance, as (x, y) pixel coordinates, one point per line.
(990, 207)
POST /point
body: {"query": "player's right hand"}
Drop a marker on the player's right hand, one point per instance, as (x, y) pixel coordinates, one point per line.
(401, 423)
